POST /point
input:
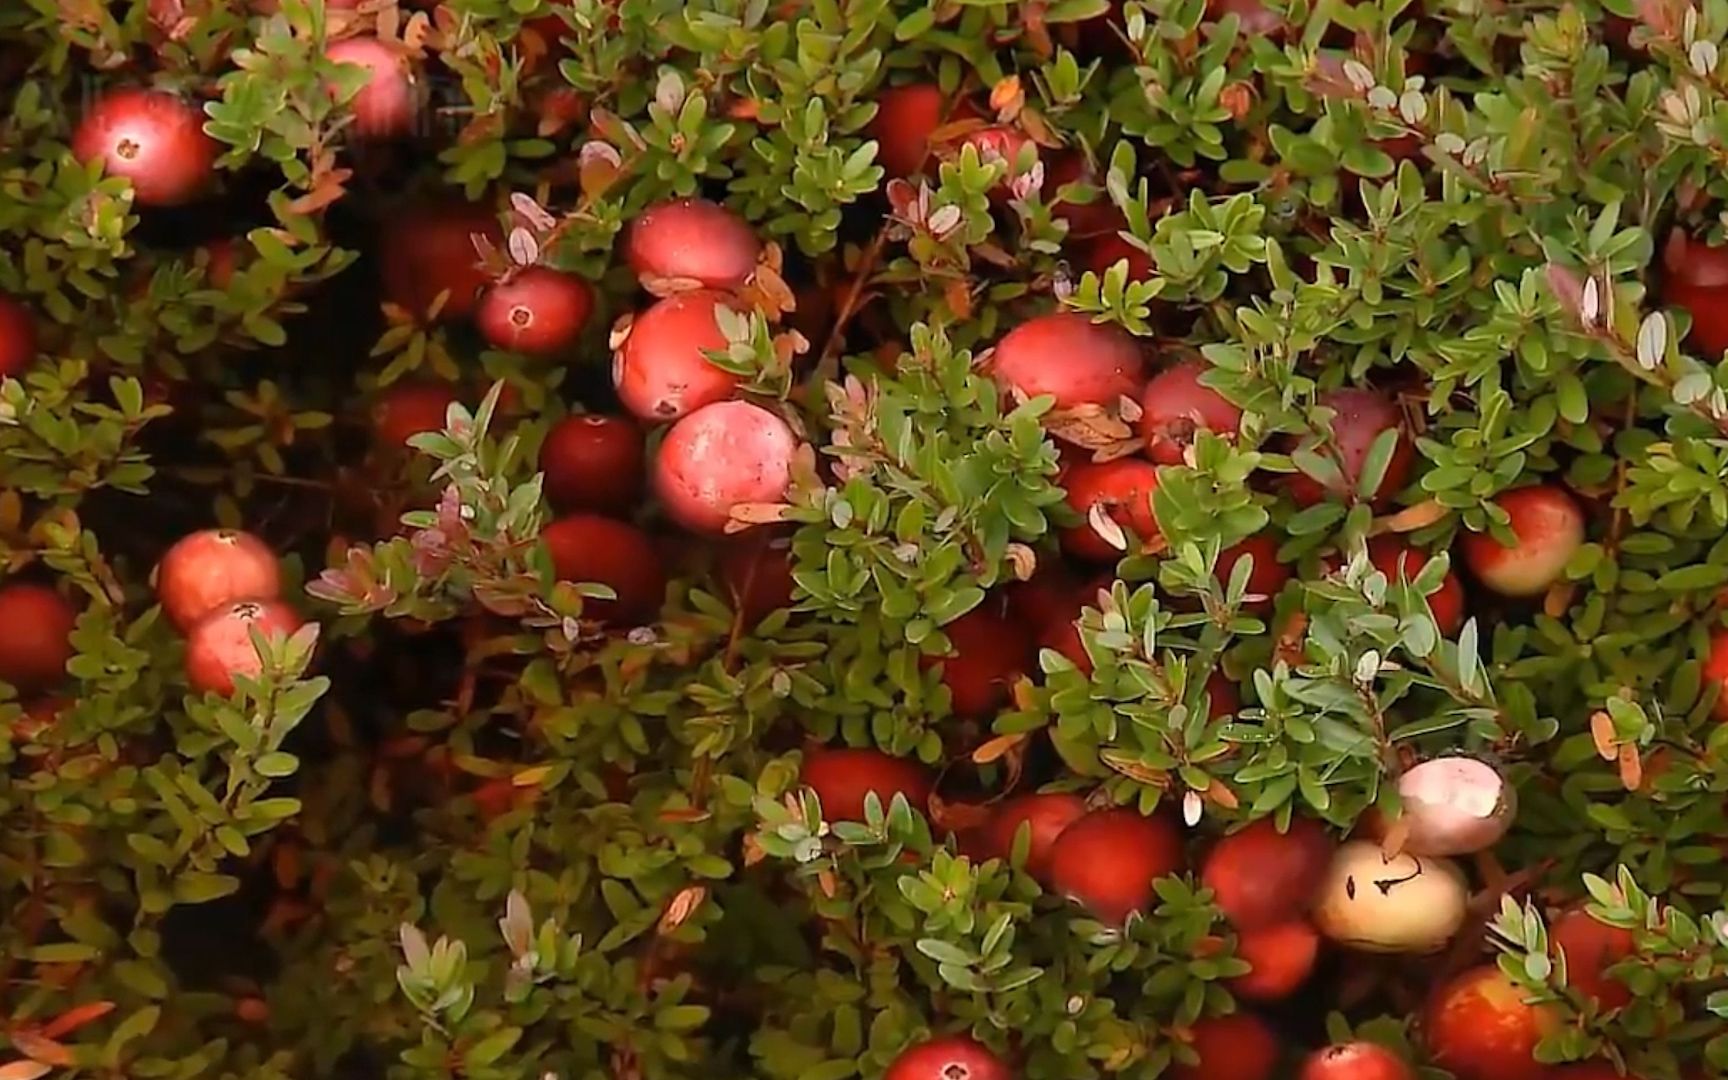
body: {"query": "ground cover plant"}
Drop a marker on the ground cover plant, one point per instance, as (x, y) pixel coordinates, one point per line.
(909, 539)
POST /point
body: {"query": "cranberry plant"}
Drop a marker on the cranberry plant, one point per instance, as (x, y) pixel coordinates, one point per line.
(631, 540)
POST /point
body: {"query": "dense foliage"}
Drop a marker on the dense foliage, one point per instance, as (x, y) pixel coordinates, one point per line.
(937, 539)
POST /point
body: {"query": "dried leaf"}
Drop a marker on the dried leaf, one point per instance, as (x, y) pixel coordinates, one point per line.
(1409, 519)
(1098, 517)
(74, 1018)
(682, 905)
(1631, 768)
(994, 748)
(1602, 733)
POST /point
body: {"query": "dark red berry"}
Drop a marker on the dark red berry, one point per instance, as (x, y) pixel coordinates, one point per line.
(593, 462)
(588, 548)
(35, 636)
(843, 777)
(1359, 418)
(18, 343)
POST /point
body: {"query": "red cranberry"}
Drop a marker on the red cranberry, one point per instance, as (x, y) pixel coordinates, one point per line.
(720, 457)
(1268, 575)
(35, 636)
(152, 138)
(1356, 1061)
(1260, 876)
(1071, 358)
(1548, 526)
(906, 117)
(387, 103)
(948, 1057)
(427, 248)
(756, 571)
(1175, 406)
(1392, 557)
(219, 647)
(1359, 417)
(588, 548)
(843, 777)
(538, 311)
(1047, 815)
(213, 568)
(18, 342)
(989, 653)
(407, 409)
(661, 368)
(1124, 488)
(593, 462)
(692, 240)
(1108, 859)
(1697, 281)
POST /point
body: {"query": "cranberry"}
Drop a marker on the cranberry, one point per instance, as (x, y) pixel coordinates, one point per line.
(152, 138)
(35, 636)
(1591, 948)
(1239, 1046)
(757, 574)
(588, 548)
(1175, 407)
(1282, 956)
(1260, 876)
(18, 343)
(989, 653)
(1549, 529)
(692, 240)
(1397, 560)
(1096, 218)
(1071, 358)
(1479, 1027)
(661, 370)
(1267, 577)
(843, 777)
(720, 457)
(948, 1057)
(219, 647)
(213, 568)
(407, 409)
(387, 104)
(538, 311)
(593, 462)
(1124, 488)
(1100, 253)
(1108, 859)
(1047, 815)
(906, 117)
(1359, 417)
(1697, 282)
(427, 248)
(1356, 1061)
